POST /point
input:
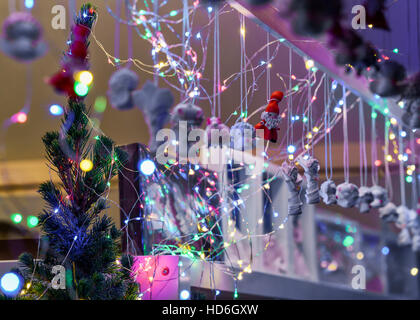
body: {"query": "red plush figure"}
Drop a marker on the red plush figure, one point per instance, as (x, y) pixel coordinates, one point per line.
(270, 118)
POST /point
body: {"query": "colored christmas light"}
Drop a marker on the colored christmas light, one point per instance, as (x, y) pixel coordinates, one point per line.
(147, 167)
(29, 4)
(184, 295)
(100, 104)
(348, 241)
(86, 165)
(32, 221)
(56, 110)
(10, 283)
(85, 77)
(81, 89)
(16, 218)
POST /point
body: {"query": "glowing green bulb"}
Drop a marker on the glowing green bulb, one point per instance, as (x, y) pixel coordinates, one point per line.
(409, 179)
(81, 89)
(348, 241)
(173, 13)
(396, 50)
(100, 104)
(16, 218)
(32, 221)
(374, 115)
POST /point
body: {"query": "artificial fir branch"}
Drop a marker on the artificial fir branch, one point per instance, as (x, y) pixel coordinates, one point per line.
(75, 232)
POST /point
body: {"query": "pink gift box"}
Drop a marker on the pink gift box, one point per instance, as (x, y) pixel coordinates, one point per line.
(157, 276)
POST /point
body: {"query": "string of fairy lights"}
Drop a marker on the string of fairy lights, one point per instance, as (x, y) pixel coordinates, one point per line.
(211, 219)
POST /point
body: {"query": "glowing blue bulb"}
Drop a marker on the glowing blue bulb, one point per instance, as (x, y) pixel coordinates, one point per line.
(29, 4)
(334, 85)
(10, 283)
(184, 295)
(198, 36)
(341, 102)
(56, 110)
(209, 9)
(275, 214)
(147, 167)
(385, 251)
(403, 134)
(291, 149)
(217, 292)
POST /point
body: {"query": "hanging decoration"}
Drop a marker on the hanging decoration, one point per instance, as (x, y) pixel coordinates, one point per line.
(365, 199)
(380, 197)
(22, 37)
(328, 188)
(365, 195)
(328, 192)
(242, 136)
(311, 167)
(347, 193)
(155, 104)
(186, 117)
(294, 181)
(121, 85)
(388, 213)
(216, 125)
(270, 118)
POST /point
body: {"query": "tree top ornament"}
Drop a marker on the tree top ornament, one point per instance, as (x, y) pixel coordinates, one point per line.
(75, 59)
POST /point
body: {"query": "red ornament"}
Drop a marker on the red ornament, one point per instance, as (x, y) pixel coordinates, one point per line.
(165, 271)
(80, 32)
(63, 82)
(78, 49)
(270, 119)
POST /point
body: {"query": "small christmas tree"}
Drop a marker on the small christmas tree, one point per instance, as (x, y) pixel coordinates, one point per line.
(76, 234)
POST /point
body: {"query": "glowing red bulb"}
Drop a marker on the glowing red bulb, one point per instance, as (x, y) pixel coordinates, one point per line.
(378, 163)
(20, 117)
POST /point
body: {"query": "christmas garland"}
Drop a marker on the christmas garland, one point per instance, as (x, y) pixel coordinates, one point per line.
(315, 18)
